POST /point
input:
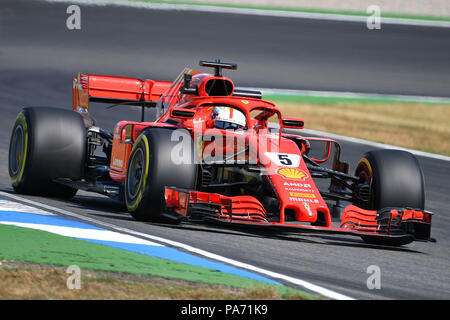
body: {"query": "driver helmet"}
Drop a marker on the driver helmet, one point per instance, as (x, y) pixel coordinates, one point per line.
(228, 118)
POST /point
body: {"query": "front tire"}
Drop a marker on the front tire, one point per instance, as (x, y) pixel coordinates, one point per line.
(395, 179)
(151, 168)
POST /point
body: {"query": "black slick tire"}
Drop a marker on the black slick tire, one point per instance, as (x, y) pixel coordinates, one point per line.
(151, 168)
(396, 179)
(46, 143)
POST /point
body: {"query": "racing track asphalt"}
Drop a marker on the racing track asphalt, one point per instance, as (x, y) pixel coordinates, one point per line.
(38, 57)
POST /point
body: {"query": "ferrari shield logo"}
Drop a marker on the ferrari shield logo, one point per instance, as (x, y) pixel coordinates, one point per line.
(306, 204)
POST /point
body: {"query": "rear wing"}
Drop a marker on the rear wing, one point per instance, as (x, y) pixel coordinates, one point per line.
(115, 90)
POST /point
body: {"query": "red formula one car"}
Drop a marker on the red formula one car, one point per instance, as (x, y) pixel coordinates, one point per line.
(216, 153)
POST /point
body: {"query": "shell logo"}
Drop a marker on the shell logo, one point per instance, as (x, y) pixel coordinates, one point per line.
(292, 173)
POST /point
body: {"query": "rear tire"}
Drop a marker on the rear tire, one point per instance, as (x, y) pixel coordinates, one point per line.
(151, 168)
(46, 143)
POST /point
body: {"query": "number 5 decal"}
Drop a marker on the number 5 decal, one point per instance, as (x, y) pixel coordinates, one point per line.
(284, 159)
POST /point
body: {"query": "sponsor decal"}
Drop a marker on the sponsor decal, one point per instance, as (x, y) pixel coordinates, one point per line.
(295, 199)
(284, 159)
(302, 195)
(295, 184)
(299, 190)
(117, 163)
(292, 173)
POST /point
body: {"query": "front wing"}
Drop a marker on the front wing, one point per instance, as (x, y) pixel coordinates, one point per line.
(389, 226)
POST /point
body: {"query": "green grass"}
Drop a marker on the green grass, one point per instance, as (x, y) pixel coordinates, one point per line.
(35, 246)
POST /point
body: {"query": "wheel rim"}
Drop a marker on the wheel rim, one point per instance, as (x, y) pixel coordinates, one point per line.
(365, 189)
(17, 151)
(135, 174)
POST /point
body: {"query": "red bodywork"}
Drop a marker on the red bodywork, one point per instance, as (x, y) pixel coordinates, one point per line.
(293, 184)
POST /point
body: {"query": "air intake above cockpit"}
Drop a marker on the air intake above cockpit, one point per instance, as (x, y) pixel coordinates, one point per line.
(218, 87)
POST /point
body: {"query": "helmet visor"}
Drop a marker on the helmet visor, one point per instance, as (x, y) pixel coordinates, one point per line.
(227, 125)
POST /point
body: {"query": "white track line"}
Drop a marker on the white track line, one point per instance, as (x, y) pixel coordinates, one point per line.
(6, 205)
(257, 12)
(92, 234)
(305, 284)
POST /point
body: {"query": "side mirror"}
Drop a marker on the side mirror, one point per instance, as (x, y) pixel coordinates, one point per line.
(292, 123)
(320, 149)
(186, 88)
